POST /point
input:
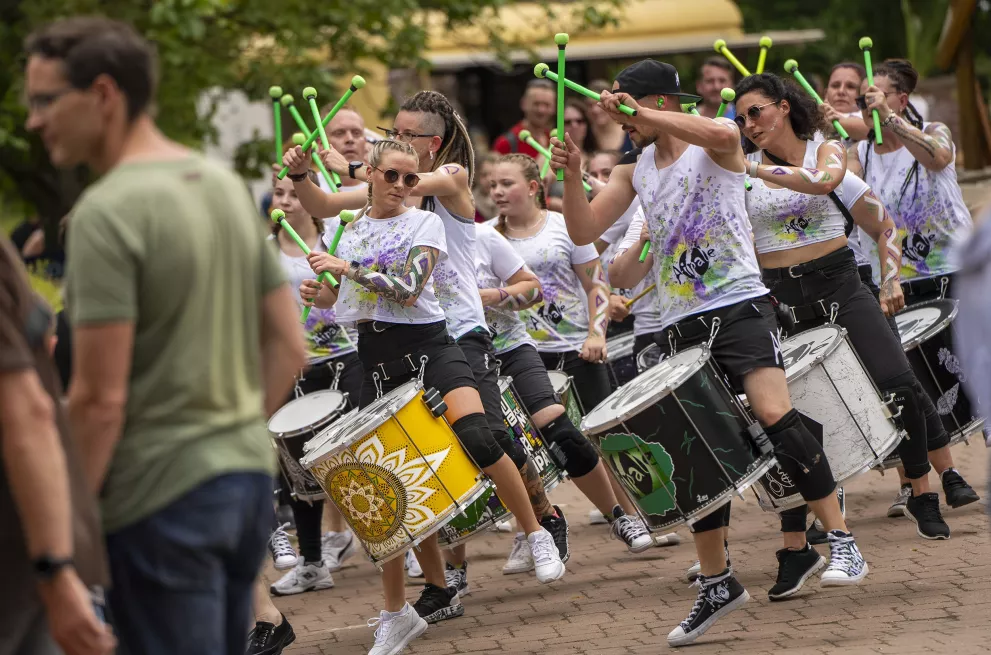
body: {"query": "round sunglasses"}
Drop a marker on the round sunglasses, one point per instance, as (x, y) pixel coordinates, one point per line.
(753, 114)
(391, 175)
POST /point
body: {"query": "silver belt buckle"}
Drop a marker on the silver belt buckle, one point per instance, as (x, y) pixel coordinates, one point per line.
(791, 274)
(375, 329)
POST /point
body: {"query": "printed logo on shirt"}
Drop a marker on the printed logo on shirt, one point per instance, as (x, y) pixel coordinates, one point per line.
(918, 246)
(796, 225)
(693, 263)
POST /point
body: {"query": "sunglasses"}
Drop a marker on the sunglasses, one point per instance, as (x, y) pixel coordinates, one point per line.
(862, 100)
(753, 114)
(410, 180)
(403, 136)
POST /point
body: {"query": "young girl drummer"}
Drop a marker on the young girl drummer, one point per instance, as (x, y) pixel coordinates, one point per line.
(799, 232)
(385, 261)
(914, 176)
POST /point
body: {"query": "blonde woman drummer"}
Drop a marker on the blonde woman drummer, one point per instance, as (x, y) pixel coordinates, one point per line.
(385, 263)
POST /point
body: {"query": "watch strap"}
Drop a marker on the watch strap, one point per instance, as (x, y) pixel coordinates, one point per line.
(298, 177)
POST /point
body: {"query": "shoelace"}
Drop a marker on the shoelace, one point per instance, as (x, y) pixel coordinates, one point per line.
(261, 634)
(841, 553)
(384, 624)
(453, 577)
(699, 603)
(279, 542)
(627, 528)
(542, 548)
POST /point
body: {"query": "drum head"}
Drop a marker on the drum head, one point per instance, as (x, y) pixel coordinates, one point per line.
(620, 347)
(343, 433)
(310, 411)
(802, 352)
(645, 389)
(919, 323)
(560, 381)
(339, 424)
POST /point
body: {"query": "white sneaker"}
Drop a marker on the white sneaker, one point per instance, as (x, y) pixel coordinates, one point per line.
(546, 558)
(413, 569)
(503, 526)
(520, 558)
(632, 531)
(335, 547)
(693, 571)
(283, 554)
(670, 539)
(305, 577)
(846, 564)
(595, 517)
(901, 500)
(395, 631)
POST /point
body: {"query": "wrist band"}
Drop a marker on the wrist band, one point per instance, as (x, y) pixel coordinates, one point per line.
(753, 169)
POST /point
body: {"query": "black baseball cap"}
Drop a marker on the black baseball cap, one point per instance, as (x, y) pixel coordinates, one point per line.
(652, 78)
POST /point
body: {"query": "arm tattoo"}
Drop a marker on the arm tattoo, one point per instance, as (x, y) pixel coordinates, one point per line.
(780, 170)
(519, 301)
(941, 134)
(598, 302)
(892, 254)
(913, 136)
(402, 288)
(450, 169)
(814, 176)
(535, 489)
(834, 161)
(875, 206)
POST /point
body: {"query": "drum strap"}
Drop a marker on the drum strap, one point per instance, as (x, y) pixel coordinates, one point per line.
(397, 367)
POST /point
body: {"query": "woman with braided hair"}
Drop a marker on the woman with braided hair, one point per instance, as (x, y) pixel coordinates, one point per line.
(914, 176)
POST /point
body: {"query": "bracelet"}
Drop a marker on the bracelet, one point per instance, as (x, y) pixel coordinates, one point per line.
(889, 120)
(753, 168)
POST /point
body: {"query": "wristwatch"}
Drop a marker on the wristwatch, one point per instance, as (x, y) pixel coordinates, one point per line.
(298, 177)
(353, 166)
(45, 567)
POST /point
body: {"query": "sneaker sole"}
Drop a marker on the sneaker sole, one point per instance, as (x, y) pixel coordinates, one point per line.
(965, 501)
(285, 567)
(844, 582)
(701, 630)
(319, 586)
(691, 577)
(801, 582)
(414, 633)
(506, 571)
(641, 549)
(895, 512)
(444, 613)
(671, 539)
(558, 576)
(918, 530)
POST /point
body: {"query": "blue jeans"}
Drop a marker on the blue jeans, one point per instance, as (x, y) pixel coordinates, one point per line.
(183, 577)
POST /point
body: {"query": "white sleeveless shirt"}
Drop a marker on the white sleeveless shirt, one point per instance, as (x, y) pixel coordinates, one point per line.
(784, 219)
(927, 219)
(454, 277)
(699, 232)
(646, 319)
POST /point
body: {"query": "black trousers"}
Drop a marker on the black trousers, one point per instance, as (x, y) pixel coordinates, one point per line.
(591, 379)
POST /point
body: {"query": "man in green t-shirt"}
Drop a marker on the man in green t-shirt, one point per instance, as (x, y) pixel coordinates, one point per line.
(184, 339)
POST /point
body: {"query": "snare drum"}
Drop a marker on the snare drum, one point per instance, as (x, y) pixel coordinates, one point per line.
(649, 357)
(928, 344)
(489, 510)
(828, 384)
(295, 424)
(397, 472)
(678, 440)
(621, 363)
(565, 391)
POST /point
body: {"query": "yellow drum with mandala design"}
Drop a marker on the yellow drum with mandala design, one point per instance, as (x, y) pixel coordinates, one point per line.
(397, 472)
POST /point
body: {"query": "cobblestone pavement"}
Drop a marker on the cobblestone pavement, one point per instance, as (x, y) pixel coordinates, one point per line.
(920, 597)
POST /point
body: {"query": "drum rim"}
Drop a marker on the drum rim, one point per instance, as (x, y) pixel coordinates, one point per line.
(406, 391)
(567, 378)
(321, 436)
(820, 357)
(328, 418)
(706, 356)
(620, 339)
(933, 330)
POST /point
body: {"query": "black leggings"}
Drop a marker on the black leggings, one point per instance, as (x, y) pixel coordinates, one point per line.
(838, 281)
(309, 515)
(591, 380)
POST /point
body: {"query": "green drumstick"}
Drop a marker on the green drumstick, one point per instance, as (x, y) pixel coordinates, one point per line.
(791, 66)
(533, 143)
(357, 82)
(276, 92)
(764, 43)
(346, 217)
(279, 216)
(643, 253)
(728, 96)
(543, 70)
(311, 95)
(720, 47)
(690, 108)
(561, 39)
(866, 44)
(299, 138)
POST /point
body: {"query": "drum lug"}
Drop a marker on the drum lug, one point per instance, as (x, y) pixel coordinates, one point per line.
(434, 402)
(893, 410)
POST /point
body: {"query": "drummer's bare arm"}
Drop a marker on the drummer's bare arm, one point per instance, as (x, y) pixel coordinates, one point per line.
(588, 221)
(314, 200)
(830, 168)
(522, 292)
(626, 270)
(403, 289)
(594, 282)
(319, 295)
(449, 184)
(871, 216)
(853, 162)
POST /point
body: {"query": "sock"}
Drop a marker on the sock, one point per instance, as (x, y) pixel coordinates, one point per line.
(617, 512)
(713, 579)
(394, 615)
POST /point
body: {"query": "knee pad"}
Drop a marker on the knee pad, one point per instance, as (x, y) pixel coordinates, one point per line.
(477, 439)
(913, 448)
(801, 456)
(795, 519)
(936, 433)
(511, 447)
(569, 447)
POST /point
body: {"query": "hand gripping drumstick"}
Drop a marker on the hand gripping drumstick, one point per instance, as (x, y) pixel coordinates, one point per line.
(299, 138)
(357, 82)
(346, 217)
(791, 66)
(311, 95)
(690, 108)
(543, 70)
(275, 92)
(279, 216)
(561, 39)
(728, 96)
(866, 44)
(764, 43)
(643, 253)
(720, 47)
(629, 303)
(533, 143)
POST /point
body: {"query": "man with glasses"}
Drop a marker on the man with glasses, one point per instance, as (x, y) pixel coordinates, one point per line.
(689, 180)
(178, 308)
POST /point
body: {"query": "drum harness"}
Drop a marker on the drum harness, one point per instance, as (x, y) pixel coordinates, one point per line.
(335, 369)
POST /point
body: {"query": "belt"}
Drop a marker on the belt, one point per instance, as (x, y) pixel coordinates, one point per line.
(375, 327)
(798, 270)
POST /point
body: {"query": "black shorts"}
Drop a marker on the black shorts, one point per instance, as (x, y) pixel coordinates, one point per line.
(530, 378)
(749, 337)
(321, 376)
